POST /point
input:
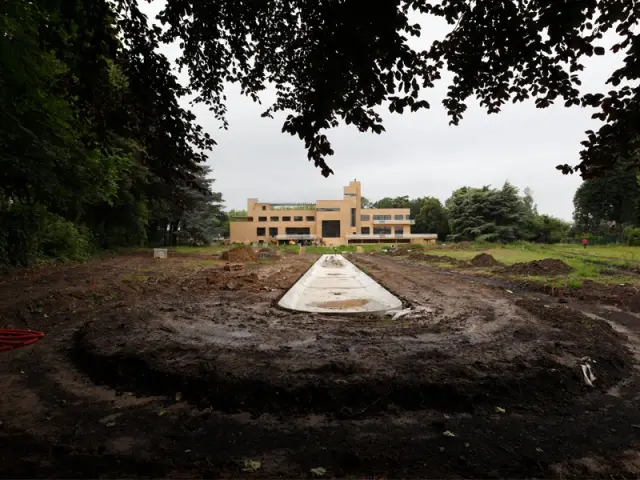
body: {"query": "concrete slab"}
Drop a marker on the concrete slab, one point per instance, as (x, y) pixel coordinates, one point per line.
(335, 285)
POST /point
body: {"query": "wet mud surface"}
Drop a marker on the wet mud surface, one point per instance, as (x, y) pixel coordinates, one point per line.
(202, 375)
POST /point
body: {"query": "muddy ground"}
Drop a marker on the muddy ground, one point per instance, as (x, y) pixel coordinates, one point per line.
(178, 368)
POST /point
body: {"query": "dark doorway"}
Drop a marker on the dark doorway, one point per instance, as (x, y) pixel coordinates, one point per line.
(331, 228)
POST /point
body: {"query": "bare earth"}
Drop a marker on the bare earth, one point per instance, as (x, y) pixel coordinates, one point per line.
(159, 368)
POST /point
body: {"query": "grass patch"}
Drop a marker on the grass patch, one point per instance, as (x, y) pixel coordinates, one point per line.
(216, 247)
(601, 264)
(321, 250)
(266, 261)
(289, 248)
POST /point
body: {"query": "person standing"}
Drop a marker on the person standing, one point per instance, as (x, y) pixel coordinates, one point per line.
(584, 242)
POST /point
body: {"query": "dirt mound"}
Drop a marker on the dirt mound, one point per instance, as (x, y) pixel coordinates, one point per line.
(239, 255)
(425, 257)
(484, 260)
(548, 266)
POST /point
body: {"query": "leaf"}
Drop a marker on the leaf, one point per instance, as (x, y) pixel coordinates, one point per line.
(318, 472)
(449, 433)
(251, 466)
(500, 410)
(162, 413)
(178, 396)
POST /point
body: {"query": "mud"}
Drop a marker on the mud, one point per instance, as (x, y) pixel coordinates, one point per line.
(196, 383)
(484, 260)
(548, 266)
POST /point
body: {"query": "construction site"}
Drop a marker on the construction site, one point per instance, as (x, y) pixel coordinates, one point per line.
(260, 363)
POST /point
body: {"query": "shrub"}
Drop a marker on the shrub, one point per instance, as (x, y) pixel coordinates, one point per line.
(20, 229)
(633, 237)
(61, 239)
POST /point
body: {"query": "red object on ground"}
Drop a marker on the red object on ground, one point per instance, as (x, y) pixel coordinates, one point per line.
(11, 338)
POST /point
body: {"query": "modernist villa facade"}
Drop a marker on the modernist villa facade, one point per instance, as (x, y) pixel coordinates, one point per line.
(334, 222)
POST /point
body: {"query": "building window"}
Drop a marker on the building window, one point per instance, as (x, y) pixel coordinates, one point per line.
(286, 219)
(273, 231)
(398, 217)
(327, 209)
(297, 219)
(382, 230)
(382, 217)
(264, 207)
(353, 217)
(350, 195)
(298, 231)
(260, 231)
(274, 219)
(311, 219)
(262, 219)
(365, 230)
(407, 217)
(365, 218)
(331, 228)
(397, 230)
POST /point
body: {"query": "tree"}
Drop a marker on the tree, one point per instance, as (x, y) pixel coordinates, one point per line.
(486, 213)
(365, 203)
(432, 218)
(614, 196)
(96, 149)
(549, 229)
(333, 61)
(397, 202)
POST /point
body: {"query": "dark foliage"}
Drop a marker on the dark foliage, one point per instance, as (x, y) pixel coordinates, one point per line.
(334, 60)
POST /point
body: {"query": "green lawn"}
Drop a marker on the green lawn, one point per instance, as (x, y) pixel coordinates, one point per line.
(597, 263)
(216, 247)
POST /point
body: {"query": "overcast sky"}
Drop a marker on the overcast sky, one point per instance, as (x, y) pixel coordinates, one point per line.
(418, 155)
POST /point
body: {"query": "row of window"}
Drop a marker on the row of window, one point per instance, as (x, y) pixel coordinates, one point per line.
(273, 231)
(381, 230)
(366, 218)
(287, 219)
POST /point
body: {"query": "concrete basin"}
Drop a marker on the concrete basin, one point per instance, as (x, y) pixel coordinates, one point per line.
(335, 285)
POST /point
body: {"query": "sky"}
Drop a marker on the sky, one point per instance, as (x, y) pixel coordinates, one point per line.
(418, 155)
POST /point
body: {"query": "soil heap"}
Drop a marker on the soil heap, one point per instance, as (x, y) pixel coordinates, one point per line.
(484, 260)
(239, 255)
(425, 257)
(548, 266)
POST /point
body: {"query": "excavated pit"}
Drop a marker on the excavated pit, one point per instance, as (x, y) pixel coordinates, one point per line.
(473, 382)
